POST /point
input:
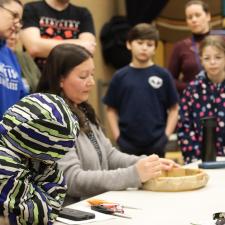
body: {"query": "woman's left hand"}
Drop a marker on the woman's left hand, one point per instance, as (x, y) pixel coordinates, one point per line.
(168, 164)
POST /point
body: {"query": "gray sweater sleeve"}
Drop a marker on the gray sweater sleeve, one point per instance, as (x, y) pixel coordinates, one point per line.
(84, 174)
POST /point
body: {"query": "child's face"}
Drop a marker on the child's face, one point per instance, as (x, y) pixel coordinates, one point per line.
(142, 50)
(213, 60)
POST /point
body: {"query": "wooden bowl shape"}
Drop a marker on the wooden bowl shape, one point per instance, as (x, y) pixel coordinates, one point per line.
(178, 179)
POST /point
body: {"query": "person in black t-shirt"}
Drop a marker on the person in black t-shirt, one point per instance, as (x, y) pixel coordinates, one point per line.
(52, 22)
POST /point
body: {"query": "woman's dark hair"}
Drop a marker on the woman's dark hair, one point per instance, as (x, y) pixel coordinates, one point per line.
(204, 5)
(62, 59)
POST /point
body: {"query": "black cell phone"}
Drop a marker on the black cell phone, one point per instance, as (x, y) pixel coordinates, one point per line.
(74, 214)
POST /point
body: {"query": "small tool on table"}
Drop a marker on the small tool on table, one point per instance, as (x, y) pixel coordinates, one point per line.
(94, 201)
(107, 210)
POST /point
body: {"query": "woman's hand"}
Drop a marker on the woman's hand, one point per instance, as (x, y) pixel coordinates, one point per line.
(168, 164)
(149, 167)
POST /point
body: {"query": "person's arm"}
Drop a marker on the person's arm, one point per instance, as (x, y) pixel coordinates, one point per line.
(40, 47)
(84, 183)
(87, 182)
(86, 177)
(118, 159)
(28, 197)
(122, 171)
(172, 119)
(112, 117)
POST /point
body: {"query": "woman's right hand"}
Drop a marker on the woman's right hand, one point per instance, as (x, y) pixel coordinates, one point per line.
(149, 167)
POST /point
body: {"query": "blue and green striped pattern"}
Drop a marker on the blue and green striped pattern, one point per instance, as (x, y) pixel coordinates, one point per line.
(34, 133)
(40, 126)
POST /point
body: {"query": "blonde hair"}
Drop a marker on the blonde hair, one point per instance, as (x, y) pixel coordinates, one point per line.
(216, 41)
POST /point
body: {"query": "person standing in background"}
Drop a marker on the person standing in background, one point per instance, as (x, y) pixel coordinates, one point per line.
(52, 22)
(204, 97)
(11, 86)
(142, 101)
(29, 70)
(184, 63)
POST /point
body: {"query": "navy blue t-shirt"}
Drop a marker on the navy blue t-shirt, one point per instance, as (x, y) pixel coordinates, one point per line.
(141, 97)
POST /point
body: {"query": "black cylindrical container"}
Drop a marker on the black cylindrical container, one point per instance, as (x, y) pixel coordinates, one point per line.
(208, 150)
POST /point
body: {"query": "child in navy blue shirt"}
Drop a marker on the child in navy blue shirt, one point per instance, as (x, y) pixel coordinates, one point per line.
(142, 101)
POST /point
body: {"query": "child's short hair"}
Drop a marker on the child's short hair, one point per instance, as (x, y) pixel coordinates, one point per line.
(143, 31)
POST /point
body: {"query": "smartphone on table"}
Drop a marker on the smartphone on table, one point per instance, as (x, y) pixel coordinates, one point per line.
(74, 214)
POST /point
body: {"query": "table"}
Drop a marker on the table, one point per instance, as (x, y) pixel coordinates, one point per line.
(169, 208)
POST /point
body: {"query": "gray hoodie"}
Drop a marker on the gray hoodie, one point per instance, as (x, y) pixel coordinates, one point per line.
(84, 174)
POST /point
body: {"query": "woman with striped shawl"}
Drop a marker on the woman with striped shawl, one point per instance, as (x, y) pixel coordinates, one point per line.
(95, 165)
(34, 134)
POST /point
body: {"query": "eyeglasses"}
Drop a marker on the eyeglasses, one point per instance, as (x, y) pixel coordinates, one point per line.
(15, 15)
